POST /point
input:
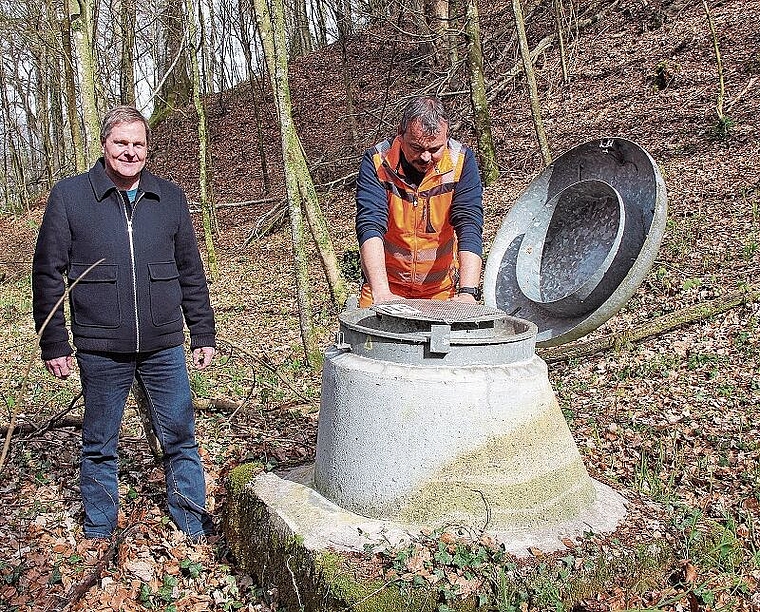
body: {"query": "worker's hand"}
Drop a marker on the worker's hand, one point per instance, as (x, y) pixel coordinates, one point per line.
(464, 298)
(384, 296)
(202, 357)
(60, 367)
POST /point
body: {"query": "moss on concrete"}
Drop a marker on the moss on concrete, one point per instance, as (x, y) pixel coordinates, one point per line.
(309, 580)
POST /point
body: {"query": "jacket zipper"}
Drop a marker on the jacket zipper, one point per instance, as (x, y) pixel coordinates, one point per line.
(134, 266)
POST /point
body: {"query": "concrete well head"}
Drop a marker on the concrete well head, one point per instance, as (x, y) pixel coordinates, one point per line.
(459, 425)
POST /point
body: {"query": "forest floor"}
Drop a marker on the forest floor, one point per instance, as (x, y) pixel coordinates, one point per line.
(674, 419)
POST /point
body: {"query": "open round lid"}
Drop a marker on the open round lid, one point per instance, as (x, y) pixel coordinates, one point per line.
(579, 240)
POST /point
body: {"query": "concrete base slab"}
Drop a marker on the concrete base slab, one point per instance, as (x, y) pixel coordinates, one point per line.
(322, 524)
(318, 557)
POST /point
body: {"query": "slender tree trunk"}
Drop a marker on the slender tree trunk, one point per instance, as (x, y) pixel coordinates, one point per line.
(46, 118)
(343, 40)
(535, 104)
(84, 44)
(320, 24)
(204, 156)
(481, 113)
(271, 27)
(22, 197)
(559, 18)
(436, 16)
(176, 89)
(71, 93)
(716, 48)
(128, 22)
(245, 41)
(208, 47)
(453, 31)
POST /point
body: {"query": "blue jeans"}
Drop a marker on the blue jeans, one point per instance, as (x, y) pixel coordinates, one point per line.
(106, 382)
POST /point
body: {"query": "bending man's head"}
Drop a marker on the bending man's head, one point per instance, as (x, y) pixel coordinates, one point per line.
(424, 132)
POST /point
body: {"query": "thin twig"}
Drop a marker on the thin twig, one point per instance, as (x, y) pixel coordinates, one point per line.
(25, 383)
(268, 366)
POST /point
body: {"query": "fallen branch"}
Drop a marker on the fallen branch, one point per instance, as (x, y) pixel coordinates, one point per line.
(78, 590)
(194, 205)
(660, 325)
(32, 429)
(269, 220)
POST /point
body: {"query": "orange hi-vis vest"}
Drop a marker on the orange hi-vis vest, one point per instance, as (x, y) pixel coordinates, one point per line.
(420, 244)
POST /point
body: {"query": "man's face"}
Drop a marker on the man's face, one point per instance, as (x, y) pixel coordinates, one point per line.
(124, 152)
(422, 150)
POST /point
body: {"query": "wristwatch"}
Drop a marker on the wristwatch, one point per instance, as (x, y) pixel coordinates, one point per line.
(473, 291)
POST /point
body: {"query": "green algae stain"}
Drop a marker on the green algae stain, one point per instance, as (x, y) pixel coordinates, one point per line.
(530, 477)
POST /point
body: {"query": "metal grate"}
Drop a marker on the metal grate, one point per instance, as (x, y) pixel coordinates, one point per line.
(438, 311)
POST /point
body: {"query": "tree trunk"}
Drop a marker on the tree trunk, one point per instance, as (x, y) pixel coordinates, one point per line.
(204, 152)
(300, 187)
(343, 40)
(245, 41)
(453, 31)
(19, 176)
(535, 104)
(271, 29)
(559, 19)
(71, 93)
(84, 44)
(320, 23)
(176, 88)
(128, 21)
(481, 113)
(300, 42)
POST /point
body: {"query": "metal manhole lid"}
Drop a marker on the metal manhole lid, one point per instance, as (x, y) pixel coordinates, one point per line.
(438, 311)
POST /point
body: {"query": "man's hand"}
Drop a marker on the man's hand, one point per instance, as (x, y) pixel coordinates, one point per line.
(60, 367)
(202, 357)
(385, 296)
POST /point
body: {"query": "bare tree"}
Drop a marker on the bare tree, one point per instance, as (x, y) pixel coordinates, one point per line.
(298, 182)
(127, 23)
(82, 19)
(244, 9)
(535, 104)
(204, 153)
(481, 112)
(176, 89)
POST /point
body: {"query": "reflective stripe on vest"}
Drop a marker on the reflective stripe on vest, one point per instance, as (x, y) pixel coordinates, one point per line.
(420, 243)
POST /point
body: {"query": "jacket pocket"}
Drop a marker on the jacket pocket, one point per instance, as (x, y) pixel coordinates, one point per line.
(95, 299)
(165, 293)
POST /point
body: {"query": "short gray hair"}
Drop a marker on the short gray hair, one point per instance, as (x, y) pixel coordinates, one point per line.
(428, 110)
(122, 114)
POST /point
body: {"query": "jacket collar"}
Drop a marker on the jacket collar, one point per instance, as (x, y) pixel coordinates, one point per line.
(102, 183)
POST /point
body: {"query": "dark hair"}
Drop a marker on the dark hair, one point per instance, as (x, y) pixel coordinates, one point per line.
(428, 110)
(122, 114)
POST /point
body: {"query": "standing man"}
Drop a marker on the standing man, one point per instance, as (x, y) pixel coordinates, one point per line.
(419, 212)
(127, 315)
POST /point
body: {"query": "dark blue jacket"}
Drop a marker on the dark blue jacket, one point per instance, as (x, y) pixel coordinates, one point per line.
(150, 282)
